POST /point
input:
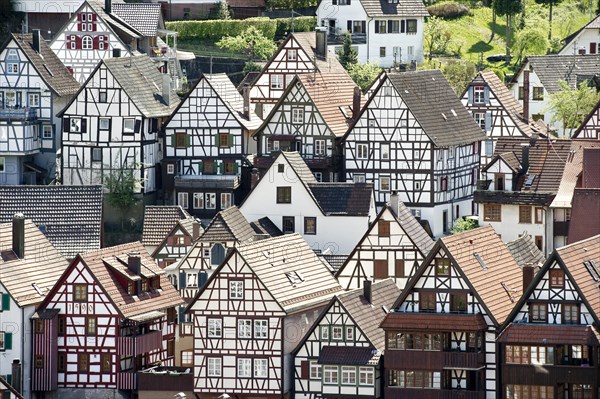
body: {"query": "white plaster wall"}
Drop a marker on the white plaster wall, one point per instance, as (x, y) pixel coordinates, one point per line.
(583, 42)
(510, 228)
(434, 215)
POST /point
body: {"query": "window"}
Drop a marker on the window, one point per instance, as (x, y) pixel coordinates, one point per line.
(75, 126)
(384, 183)
(521, 93)
(47, 131)
(292, 55)
(62, 325)
(2, 163)
(284, 195)
(90, 325)
(380, 269)
(187, 358)
(366, 376)
(280, 168)
(260, 368)
(381, 27)
(348, 375)
(319, 148)
(382, 52)
(80, 292)
(210, 200)
(385, 151)
(87, 42)
(525, 214)
(394, 27)
(359, 178)
(330, 375)
(570, 313)
(106, 362)
(38, 326)
(315, 370)
(224, 140)
(288, 224)
(83, 362)
(33, 99)
(362, 151)
(383, 228)
(214, 328)
(39, 362)
(539, 215)
(244, 328)
(191, 279)
(181, 140)
(458, 302)
(492, 213)
(182, 200)
(557, 278)
(104, 123)
(349, 333)
(297, 116)
(537, 117)
(538, 312)
(198, 199)
(444, 183)
(426, 301)
(499, 181)
(96, 154)
(102, 97)
(538, 94)
(442, 267)
(225, 200)
(244, 367)
(310, 225)
(277, 82)
(214, 366)
(411, 26)
(261, 329)
(478, 94)
(325, 333)
(480, 119)
(236, 289)
(337, 333)
(129, 126)
(387, 92)
(62, 362)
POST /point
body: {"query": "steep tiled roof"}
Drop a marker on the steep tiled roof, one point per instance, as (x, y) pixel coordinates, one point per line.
(299, 166)
(159, 220)
(348, 355)
(593, 24)
(585, 211)
(266, 226)
(223, 86)
(228, 225)
(436, 107)
(143, 17)
(368, 315)
(42, 265)
(272, 258)
(334, 261)
(70, 216)
(413, 229)
(141, 80)
(131, 306)
(345, 199)
(525, 252)
(112, 19)
(552, 68)
(550, 334)
(308, 42)
(48, 65)
(405, 8)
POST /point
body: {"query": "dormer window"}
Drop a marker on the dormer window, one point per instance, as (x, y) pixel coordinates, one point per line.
(12, 62)
(478, 94)
(499, 182)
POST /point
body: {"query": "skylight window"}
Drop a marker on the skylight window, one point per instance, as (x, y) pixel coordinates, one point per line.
(529, 181)
(481, 262)
(509, 291)
(300, 276)
(291, 276)
(590, 265)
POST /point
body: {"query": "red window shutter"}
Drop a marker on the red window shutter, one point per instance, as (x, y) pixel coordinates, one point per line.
(188, 240)
(304, 369)
(78, 22)
(170, 240)
(93, 22)
(78, 42)
(592, 48)
(95, 41)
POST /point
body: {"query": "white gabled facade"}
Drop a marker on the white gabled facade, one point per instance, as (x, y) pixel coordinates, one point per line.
(590, 128)
(586, 41)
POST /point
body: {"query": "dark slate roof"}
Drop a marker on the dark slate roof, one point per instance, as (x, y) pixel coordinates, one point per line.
(266, 226)
(405, 8)
(436, 107)
(159, 220)
(335, 261)
(552, 68)
(112, 19)
(142, 82)
(70, 216)
(550, 334)
(413, 229)
(586, 202)
(228, 225)
(347, 199)
(513, 198)
(48, 65)
(144, 17)
(348, 355)
(525, 252)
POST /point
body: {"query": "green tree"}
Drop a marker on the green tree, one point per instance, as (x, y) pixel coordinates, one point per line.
(252, 42)
(437, 36)
(347, 55)
(9, 19)
(463, 224)
(530, 41)
(224, 11)
(459, 74)
(550, 3)
(571, 105)
(364, 74)
(508, 9)
(122, 186)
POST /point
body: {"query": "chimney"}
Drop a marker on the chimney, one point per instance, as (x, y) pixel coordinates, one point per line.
(116, 53)
(394, 202)
(107, 6)
(195, 231)
(134, 262)
(18, 235)
(321, 40)
(526, 95)
(254, 178)
(166, 89)
(356, 103)
(368, 290)
(37, 38)
(528, 272)
(16, 375)
(524, 158)
(246, 96)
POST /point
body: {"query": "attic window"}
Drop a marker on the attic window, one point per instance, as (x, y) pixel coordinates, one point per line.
(509, 291)
(300, 276)
(344, 112)
(444, 116)
(292, 277)
(590, 265)
(481, 262)
(453, 112)
(529, 181)
(37, 289)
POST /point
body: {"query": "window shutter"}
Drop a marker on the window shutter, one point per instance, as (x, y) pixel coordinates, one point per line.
(235, 168)
(220, 168)
(78, 42)
(488, 121)
(182, 280)
(402, 26)
(348, 2)
(94, 22)
(95, 42)
(390, 22)
(216, 140)
(349, 26)
(470, 91)
(83, 125)
(230, 140)
(66, 124)
(363, 26)
(181, 314)
(7, 340)
(187, 240)
(376, 26)
(78, 22)
(399, 268)
(486, 95)
(9, 380)
(200, 167)
(170, 240)
(592, 48)
(334, 2)
(202, 278)
(188, 140)
(5, 301)
(304, 369)
(136, 127)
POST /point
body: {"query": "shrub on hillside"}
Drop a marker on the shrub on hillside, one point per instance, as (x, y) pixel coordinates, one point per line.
(449, 10)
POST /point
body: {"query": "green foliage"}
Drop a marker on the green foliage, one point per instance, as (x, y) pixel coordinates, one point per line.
(252, 42)
(347, 55)
(9, 19)
(122, 186)
(364, 74)
(529, 41)
(459, 74)
(289, 4)
(224, 12)
(251, 66)
(437, 36)
(507, 7)
(301, 24)
(449, 10)
(571, 106)
(463, 224)
(555, 45)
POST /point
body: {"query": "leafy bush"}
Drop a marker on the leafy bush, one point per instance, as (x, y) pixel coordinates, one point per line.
(301, 24)
(449, 10)
(216, 29)
(289, 4)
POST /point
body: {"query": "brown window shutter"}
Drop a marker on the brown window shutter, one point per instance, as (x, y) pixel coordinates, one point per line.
(188, 240)
(304, 369)
(170, 240)
(399, 267)
(383, 227)
(381, 269)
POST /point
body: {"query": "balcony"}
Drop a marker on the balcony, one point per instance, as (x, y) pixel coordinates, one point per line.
(162, 53)
(561, 228)
(357, 38)
(433, 360)
(413, 393)
(126, 380)
(174, 379)
(18, 114)
(140, 344)
(264, 162)
(230, 182)
(548, 374)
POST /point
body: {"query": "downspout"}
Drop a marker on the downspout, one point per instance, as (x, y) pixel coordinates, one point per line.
(368, 37)
(23, 352)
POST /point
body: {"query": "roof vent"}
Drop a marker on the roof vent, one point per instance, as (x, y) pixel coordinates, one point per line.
(444, 116)
(481, 262)
(510, 292)
(453, 112)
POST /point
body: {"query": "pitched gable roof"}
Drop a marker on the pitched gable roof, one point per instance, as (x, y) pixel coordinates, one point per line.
(593, 24)
(436, 107)
(525, 252)
(228, 225)
(48, 65)
(159, 220)
(70, 216)
(42, 265)
(266, 226)
(225, 89)
(145, 18)
(552, 68)
(300, 167)
(586, 202)
(509, 158)
(112, 19)
(413, 229)
(308, 43)
(404, 8)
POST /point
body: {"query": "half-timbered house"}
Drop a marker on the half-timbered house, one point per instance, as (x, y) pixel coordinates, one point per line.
(299, 53)
(252, 313)
(290, 196)
(518, 186)
(310, 117)
(590, 127)
(551, 343)
(111, 314)
(159, 221)
(111, 127)
(441, 333)
(415, 137)
(385, 32)
(29, 268)
(496, 111)
(34, 86)
(342, 353)
(393, 246)
(206, 142)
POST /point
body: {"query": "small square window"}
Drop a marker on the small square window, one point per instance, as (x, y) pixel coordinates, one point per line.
(319, 148)
(181, 140)
(384, 183)
(538, 312)
(236, 289)
(525, 214)
(442, 267)
(557, 278)
(297, 116)
(128, 126)
(170, 169)
(102, 97)
(224, 140)
(80, 292)
(90, 326)
(47, 131)
(214, 328)
(362, 151)
(538, 94)
(96, 154)
(277, 82)
(214, 366)
(359, 178)
(292, 55)
(104, 123)
(284, 195)
(288, 223)
(261, 329)
(337, 333)
(198, 201)
(383, 228)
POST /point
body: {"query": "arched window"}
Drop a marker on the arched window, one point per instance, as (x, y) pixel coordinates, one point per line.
(87, 43)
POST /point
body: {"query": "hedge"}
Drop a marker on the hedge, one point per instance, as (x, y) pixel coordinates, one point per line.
(449, 10)
(216, 29)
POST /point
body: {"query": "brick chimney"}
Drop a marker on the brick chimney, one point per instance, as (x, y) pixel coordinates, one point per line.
(394, 202)
(356, 103)
(18, 235)
(134, 262)
(254, 178)
(195, 231)
(16, 370)
(528, 273)
(526, 95)
(36, 39)
(108, 6)
(246, 97)
(166, 88)
(368, 290)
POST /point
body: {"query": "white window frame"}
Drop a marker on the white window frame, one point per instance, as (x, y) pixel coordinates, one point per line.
(276, 82)
(100, 42)
(349, 331)
(87, 43)
(214, 328)
(292, 54)
(198, 198)
(244, 327)
(191, 279)
(297, 116)
(210, 200)
(385, 183)
(225, 200)
(478, 94)
(182, 200)
(480, 119)
(244, 368)
(315, 370)
(261, 329)
(359, 178)
(129, 129)
(337, 333)
(236, 289)
(324, 333)
(75, 125)
(366, 376)
(96, 154)
(348, 375)
(329, 372)
(73, 42)
(33, 99)
(362, 151)
(47, 132)
(261, 368)
(214, 365)
(320, 150)
(103, 123)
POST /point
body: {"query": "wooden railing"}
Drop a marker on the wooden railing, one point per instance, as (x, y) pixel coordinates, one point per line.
(174, 379)
(432, 360)
(140, 344)
(126, 380)
(18, 113)
(522, 374)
